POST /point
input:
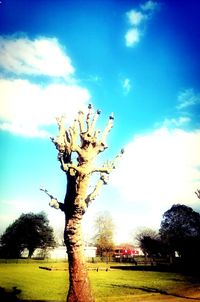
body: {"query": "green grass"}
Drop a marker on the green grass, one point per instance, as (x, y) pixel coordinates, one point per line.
(113, 285)
(35, 283)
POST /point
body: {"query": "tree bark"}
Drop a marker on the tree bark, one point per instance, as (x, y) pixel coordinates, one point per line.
(79, 289)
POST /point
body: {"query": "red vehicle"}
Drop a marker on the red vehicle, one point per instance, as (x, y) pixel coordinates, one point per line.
(122, 254)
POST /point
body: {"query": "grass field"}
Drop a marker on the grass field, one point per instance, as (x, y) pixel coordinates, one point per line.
(112, 285)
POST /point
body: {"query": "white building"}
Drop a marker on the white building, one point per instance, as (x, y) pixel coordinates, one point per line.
(59, 253)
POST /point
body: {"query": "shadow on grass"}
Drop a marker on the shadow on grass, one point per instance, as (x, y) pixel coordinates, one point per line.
(11, 296)
(155, 290)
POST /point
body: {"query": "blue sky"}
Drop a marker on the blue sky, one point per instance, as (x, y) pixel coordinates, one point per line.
(138, 59)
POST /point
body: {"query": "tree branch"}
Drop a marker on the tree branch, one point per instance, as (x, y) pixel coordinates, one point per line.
(81, 121)
(74, 133)
(95, 117)
(62, 140)
(54, 201)
(88, 119)
(109, 165)
(95, 192)
(198, 193)
(107, 129)
(104, 177)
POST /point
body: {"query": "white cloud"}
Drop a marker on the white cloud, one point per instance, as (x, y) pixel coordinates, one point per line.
(137, 20)
(188, 98)
(126, 85)
(42, 56)
(132, 37)
(157, 170)
(24, 130)
(26, 107)
(135, 17)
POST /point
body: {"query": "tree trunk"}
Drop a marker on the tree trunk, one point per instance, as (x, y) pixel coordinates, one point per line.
(30, 252)
(79, 288)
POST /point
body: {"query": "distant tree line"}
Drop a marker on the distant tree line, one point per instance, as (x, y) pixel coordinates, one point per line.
(177, 241)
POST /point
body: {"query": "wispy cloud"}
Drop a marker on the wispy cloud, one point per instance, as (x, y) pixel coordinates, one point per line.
(149, 6)
(26, 104)
(137, 19)
(174, 122)
(126, 85)
(41, 56)
(187, 98)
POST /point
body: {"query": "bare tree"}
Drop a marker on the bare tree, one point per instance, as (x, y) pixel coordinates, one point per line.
(83, 140)
(104, 232)
(142, 232)
(148, 240)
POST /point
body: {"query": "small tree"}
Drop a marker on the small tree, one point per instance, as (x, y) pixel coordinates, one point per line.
(104, 231)
(29, 231)
(83, 141)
